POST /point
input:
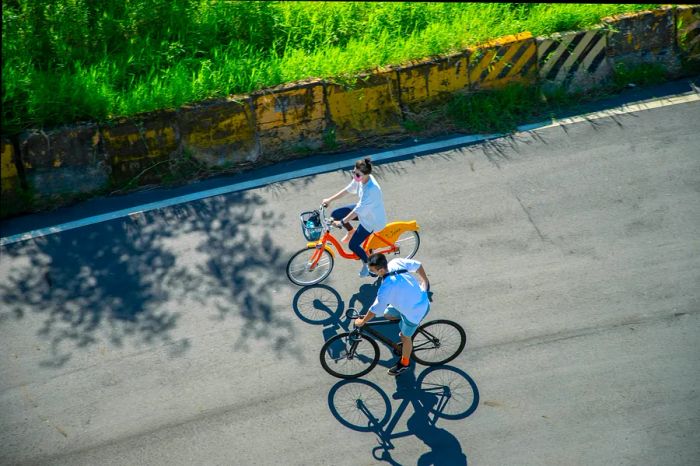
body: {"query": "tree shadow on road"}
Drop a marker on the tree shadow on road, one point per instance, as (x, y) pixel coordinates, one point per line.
(125, 281)
(244, 267)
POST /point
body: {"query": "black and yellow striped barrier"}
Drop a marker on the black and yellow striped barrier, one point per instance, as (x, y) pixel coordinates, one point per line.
(575, 60)
(688, 31)
(503, 61)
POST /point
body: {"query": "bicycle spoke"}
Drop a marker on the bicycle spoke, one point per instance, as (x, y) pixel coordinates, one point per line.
(346, 356)
(299, 268)
(437, 342)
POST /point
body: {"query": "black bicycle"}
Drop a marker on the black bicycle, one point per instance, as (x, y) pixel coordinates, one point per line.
(353, 354)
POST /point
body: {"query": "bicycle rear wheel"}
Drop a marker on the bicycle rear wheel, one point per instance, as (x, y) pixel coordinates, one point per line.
(298, 267)
(348, 356)
(408, 243)
(438, 342)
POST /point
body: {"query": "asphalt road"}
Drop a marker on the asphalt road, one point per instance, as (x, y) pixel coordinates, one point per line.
(571, 255)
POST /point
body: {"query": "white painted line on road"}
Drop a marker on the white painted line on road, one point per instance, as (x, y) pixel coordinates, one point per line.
(624, 109)
(328, 167)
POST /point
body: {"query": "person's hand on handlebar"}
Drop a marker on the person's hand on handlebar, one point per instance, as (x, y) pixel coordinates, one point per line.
(325, 202)
(337, 224)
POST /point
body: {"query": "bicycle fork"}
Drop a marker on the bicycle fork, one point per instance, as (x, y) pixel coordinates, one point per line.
(354, 339)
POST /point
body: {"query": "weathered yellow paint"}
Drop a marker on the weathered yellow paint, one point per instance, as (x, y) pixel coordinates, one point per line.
(232, 128)
(424, 80)
(7, 163)
(489, 70)
(8, 171)
(285, 107)
(290, 118)
(371, 107)
(155, 140)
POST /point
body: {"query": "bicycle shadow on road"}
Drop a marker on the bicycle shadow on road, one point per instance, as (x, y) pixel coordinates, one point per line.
(439, 392)
(323, 305)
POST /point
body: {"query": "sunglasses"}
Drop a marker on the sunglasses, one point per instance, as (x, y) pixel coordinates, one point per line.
(358, 175)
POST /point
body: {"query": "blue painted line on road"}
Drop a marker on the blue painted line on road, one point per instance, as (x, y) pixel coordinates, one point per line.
(244, 185)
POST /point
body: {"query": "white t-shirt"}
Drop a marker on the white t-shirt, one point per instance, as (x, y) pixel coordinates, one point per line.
(370, 208)
(403, 292)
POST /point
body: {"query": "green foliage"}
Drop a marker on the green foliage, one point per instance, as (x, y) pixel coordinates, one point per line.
(643, 74)
(67, 60)
(494, 111)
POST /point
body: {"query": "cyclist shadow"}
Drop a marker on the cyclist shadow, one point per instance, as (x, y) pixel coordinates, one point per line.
(323, 305)
(439, 392)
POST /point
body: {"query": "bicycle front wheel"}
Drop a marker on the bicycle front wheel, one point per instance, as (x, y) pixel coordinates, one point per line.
(408, 243)
(438, 342)
(300, 272)
(348, 355)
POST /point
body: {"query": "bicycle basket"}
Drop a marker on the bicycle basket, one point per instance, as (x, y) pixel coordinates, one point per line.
(311, 225)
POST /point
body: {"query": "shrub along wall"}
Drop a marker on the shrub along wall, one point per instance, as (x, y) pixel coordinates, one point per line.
(43, 168)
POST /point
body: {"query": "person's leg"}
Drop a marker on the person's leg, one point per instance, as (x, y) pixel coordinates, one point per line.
(390, 313)
(339, 214)
(356, 246)
(407, 330)
(356, 242)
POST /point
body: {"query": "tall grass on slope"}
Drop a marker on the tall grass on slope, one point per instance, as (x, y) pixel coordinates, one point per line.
(65, 61)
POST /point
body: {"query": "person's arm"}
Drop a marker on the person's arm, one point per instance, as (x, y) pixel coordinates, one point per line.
(380, 303)
(360, 321)
(423, 278)
(339, 194)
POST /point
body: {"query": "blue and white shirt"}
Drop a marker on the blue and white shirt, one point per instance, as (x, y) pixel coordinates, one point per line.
(403, 292)
(370, 208)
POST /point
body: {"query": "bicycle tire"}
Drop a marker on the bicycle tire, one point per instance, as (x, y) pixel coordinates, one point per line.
(339, 344)
(296, 268)
(435, 335)
(411, 240)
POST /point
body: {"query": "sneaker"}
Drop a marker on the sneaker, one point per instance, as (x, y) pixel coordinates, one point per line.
(348, 235)
(364, 272)
(397, 369)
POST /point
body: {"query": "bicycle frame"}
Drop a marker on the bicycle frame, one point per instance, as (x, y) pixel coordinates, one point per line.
(367, 328)
(375, 239)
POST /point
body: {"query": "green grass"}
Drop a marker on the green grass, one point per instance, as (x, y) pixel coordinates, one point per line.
(71, 60)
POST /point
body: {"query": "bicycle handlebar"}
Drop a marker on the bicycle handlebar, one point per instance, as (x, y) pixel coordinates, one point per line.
(324, 219)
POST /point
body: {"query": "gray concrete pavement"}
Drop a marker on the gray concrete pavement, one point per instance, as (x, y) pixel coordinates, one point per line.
(570, 255)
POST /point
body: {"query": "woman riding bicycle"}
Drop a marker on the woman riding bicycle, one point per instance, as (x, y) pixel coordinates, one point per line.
(369, 210)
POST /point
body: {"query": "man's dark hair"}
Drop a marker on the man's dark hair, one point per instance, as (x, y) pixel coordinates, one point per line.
(377, 260)
(364, 165)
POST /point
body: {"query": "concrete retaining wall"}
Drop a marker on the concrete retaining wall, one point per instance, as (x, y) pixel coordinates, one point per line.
(58, 165)
(644, 37)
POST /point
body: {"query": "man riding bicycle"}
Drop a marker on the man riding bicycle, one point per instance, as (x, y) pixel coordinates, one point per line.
(400, 296)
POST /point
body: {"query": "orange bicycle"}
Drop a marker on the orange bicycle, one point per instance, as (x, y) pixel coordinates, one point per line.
(314, 263)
